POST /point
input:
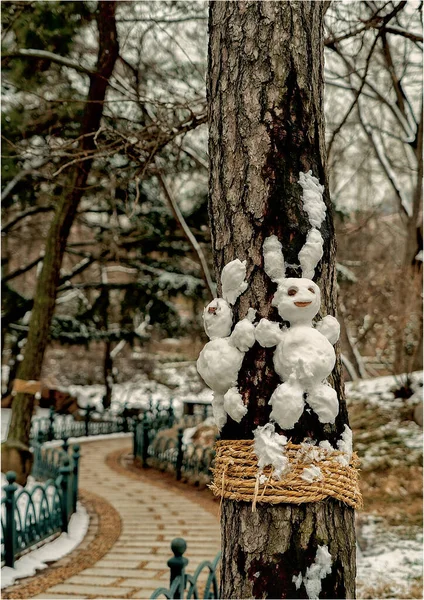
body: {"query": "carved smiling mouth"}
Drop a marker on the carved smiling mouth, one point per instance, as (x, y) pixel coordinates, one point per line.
(303, 304)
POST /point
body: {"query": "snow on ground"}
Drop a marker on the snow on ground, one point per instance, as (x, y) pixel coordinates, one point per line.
(379, 389)
(389, 559)
(38, 559)
(390, 446)
(385, 437)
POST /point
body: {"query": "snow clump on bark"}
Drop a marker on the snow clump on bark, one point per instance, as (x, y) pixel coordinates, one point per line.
(345, 446)
(319, 569)
(269, 448)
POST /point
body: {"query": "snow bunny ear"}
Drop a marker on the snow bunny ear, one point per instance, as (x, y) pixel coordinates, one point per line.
(312, 251)
(313, 204)
(274, 259)
(233, 280)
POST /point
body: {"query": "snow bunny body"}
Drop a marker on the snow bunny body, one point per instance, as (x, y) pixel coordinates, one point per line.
(304, 356)
(220, 360)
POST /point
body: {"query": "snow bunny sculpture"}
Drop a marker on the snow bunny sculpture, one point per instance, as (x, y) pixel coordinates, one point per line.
(304, 356)
(220, 360)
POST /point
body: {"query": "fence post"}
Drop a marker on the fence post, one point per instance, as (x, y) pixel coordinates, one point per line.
(124, 414)
(10, 532)
(50, 433)
(65, 471)
(88, 409)
(177, 565)
(75, 457)
(171, 414)
(179, 463)
(135, 422)
(145, 441)
(65, 446)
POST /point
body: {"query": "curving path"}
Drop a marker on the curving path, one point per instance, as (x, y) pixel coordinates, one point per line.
(152, 514)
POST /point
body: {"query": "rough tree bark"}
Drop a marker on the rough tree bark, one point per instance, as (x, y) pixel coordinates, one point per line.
(265, 93)
(15, 452)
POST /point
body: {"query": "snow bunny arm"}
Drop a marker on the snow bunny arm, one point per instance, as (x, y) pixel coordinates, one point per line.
(268, 333)
(243, 335)
(330, 328)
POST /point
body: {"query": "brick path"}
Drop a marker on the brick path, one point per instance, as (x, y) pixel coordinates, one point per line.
(151, 517)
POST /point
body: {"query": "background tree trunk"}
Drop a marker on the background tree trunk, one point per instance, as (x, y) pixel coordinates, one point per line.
(45, 293)
(266, 125)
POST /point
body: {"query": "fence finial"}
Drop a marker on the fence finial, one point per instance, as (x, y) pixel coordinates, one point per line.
(10, 524)
(178, 563)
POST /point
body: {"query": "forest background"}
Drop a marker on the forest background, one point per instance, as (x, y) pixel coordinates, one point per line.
(137, 268)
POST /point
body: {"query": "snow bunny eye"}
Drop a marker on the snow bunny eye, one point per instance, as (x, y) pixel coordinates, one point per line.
(292, 291)
(311, 289)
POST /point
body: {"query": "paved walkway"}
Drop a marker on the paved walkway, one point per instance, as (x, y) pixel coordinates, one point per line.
(151, 517)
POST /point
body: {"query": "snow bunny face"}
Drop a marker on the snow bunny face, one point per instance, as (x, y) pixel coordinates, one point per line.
(217, 319)
(297, 300)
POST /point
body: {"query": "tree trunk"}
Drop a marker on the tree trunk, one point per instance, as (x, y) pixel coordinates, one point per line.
(45, 293)
(266, 122)
(414, 228)
(107, 375)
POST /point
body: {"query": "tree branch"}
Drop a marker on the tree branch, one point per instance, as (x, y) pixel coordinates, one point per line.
(26, 213)
(404, 203)
(182, 222)
(22, 270)
(45, 54)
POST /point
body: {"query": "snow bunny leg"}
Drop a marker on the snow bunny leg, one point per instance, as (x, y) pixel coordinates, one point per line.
(233, 404)
(287, 404)
(324, 402)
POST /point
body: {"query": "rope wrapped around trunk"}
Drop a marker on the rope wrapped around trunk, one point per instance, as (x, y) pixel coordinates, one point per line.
(236, 475)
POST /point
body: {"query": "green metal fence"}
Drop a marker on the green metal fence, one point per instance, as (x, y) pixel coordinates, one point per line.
(202, 584)
(34, 514)
(59, 427)
(192, 462)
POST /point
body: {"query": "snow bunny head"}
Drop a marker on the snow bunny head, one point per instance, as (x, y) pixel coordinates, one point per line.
(218, 316)
(217, 319)
(297, 299)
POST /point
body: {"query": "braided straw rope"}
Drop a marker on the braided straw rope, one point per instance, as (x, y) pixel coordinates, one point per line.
(236, 476)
